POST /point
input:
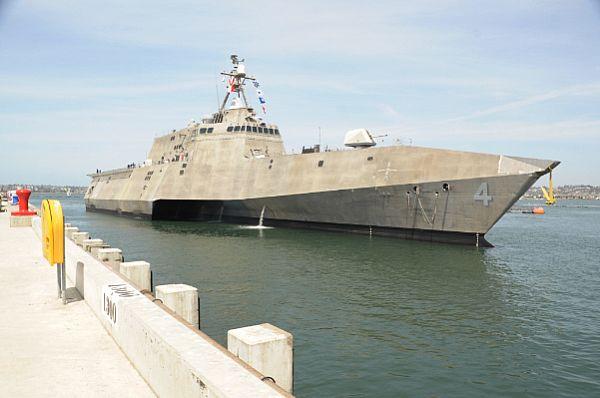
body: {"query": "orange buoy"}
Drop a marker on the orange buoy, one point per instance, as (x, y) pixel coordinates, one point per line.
(538, 210)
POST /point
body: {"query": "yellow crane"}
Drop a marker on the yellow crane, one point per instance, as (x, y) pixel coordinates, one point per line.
(549, 194)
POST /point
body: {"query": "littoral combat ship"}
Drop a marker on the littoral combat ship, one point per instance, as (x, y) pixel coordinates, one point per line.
(232, 166)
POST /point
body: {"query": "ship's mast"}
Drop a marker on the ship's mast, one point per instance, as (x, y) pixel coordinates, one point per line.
(237, 79)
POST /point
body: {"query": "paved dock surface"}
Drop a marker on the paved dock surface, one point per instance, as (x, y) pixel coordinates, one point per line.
(47, 348)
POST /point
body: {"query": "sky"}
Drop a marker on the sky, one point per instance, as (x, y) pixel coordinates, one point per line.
(89, 84)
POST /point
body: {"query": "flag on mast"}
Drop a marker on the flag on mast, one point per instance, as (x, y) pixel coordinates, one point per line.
(260, 96)
(231, 85)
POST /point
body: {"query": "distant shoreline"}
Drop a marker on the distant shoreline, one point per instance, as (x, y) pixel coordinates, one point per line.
(558, 198)
(73, 189)
(566, 192)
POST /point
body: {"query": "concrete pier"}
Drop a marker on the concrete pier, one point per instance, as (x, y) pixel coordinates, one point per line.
(93, 249)
(79, 237)
(20, 221)
(181, 299)
(69, 231)
(111, 256)
(87, 244)
(63, 350)
(267, 349)
(49, 349)
(138, 272)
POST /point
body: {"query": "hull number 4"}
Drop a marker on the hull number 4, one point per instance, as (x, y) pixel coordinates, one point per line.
(482, 194)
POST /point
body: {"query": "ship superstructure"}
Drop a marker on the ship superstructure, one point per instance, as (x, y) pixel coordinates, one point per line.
(232, 166)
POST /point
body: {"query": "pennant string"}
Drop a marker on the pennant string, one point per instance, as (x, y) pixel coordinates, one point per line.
(260, 96)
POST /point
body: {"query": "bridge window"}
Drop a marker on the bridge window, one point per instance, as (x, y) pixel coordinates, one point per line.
(270, 131)
(210, 130)
(260, 129)
(236, 128)
(276, 131)
(254, 129)
(248, 128)
(230, 128)
(203, 130)
(243, 128)
(320, 164)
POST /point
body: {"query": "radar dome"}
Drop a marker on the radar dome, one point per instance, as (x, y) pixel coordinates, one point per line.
(359, 138)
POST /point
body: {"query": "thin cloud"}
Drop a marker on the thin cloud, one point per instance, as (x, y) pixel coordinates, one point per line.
(268, 27)
(389, 110)
(579, 90)
(564, 130)
(62, 89)
(461, 127)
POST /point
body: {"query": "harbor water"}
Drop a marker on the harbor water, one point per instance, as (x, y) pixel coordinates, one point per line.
(382, 317)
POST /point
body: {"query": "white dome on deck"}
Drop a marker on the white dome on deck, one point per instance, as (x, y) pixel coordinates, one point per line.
(359, 138)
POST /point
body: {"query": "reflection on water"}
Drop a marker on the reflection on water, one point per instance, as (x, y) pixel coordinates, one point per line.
(385, 317)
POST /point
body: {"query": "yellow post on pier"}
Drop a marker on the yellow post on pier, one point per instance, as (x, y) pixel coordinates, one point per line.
(53, 241)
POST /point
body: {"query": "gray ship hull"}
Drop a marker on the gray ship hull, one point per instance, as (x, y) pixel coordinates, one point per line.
(428, 213)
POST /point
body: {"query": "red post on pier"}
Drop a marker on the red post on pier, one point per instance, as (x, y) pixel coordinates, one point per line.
(23, 195)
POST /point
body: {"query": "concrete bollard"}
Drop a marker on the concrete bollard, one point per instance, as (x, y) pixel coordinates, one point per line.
(137, 272)
(69, 231)
(181, 299)
(94, 249)
(87, 244)
(111, 256)
(267, 349)
(79, 278)
(79, 237)
(21, 221)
